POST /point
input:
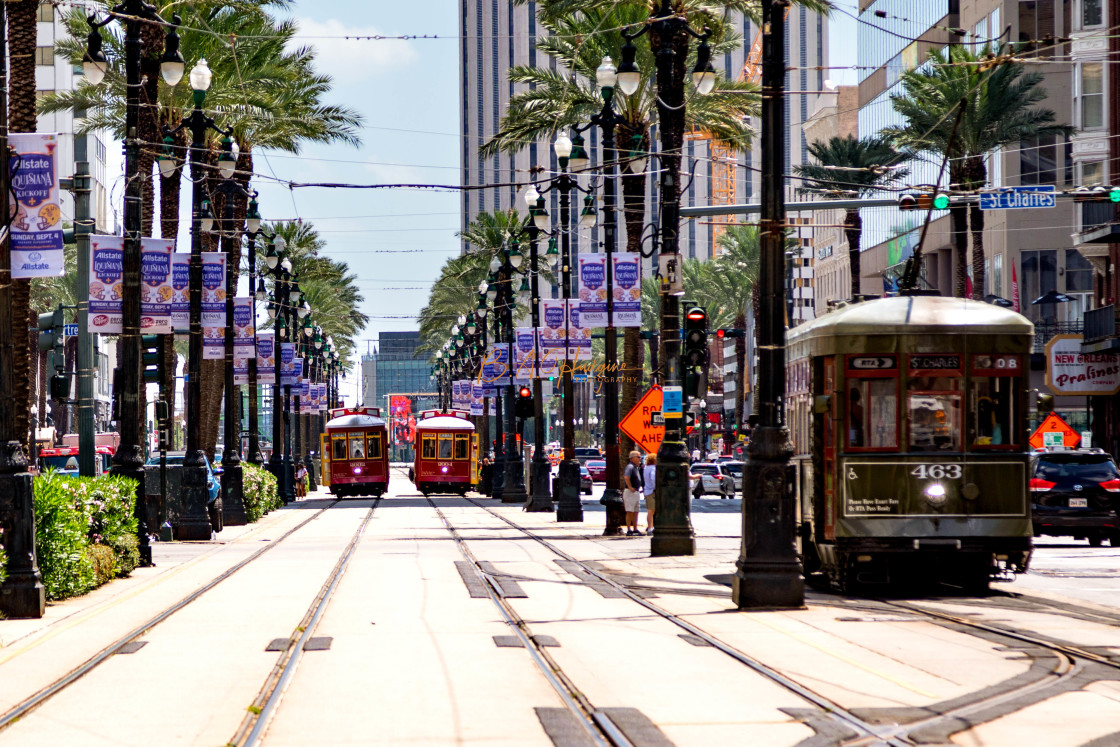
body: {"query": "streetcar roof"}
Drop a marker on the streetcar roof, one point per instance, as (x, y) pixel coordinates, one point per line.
(444, 423)
(355, 421)
(915, 315)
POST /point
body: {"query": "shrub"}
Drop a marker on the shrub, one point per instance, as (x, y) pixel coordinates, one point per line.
(85, 531)
(3, 558)
(261, 495)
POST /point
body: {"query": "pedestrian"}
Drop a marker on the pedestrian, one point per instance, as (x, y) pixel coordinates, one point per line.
(301, 479)
(649, 487)
(632, 494)
(486, 478)
(695, 455)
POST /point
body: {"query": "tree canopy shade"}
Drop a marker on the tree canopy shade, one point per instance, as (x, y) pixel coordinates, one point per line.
(852, 167)
(961, 106)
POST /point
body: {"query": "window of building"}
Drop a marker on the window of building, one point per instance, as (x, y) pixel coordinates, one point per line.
(1092, 173)
(1040, 275)
(46, 12)
(1079, 273)
(44, 55)
(1092, 95)
(1038, 160)
(1091, 13)
(995, 276)
(1036, 22)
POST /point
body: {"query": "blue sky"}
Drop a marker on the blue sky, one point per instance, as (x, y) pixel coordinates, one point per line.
(408, 93)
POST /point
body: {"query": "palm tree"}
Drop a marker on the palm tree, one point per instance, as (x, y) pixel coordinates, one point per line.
(961, 106)
(580, 35)
(852, 167)
(738, 263)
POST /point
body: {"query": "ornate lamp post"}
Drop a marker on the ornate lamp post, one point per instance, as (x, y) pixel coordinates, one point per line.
(280, 309)
(129, 457)
(258, 293)
(540, 471)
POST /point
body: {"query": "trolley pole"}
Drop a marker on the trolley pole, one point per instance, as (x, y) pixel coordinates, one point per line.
(768, 573)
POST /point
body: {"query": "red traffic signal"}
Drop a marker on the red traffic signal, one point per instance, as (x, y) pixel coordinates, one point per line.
(525, 392)
(697, 314)
(729, 332)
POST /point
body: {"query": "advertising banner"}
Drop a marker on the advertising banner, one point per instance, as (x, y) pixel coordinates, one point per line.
(298, 365)
(155, 286)
(579, 334)
(627, 289)
(266, 359)
(36, 238)
(495, 368)
(476, 399)
(106, 284)
(593, 289)
(1071, 372)
(552, 330)
(242, 339)
(525, 364)
(323, 398)
(180, 292)
(401, 423)
(287, 364)
(213, 306)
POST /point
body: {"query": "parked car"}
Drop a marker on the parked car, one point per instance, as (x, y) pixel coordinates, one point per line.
(598, 470)
(1076, 494)
(711, 479)
(213, 485)
(735, 470)
(585, 453)
(584, 480)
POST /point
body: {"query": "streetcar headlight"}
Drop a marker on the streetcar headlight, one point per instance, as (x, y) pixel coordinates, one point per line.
(443, 470)
(357, 470)
(935, 494)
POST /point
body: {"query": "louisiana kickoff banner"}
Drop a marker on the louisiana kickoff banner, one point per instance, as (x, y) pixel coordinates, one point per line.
(242, 339)
(36, 238)
(155, 286)
(579, 334)
(495, 368)
(213, 306)
(525, 362)
(180, 292)
(627, 289)
(476, 399)
(288, 364)
(593, 289)
(106, 284)
(552, 326)
(266, 358)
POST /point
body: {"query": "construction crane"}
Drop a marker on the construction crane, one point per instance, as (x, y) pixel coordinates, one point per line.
(725, 159)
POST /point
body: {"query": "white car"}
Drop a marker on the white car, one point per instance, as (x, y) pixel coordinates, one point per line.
(735, 469)
(711, 479)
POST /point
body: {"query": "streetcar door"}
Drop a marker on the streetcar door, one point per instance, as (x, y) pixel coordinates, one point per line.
(828, 448)
(474, 459)
(325, 455)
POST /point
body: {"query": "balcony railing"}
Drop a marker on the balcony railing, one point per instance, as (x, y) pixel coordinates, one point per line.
(1095, 214)
(1100, 323)
(1043, 331)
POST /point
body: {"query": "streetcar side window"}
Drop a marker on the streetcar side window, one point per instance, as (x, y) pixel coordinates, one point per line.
(934, 406)
(373, 446)
(462, 448)
(338, 448)
(872, 407)
(445, 446)
(428, 451)
(357, 446)
(994, 402)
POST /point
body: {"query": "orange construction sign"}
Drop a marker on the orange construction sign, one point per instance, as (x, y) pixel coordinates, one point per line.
(644, 424)
(1055, 425)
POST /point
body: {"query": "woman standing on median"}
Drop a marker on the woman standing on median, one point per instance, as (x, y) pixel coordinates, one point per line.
(649, 485)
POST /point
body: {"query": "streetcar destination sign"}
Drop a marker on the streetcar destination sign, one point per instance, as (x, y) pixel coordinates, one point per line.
(1020, 198)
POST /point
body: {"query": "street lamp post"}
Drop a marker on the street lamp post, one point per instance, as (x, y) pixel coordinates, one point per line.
(279, 463)
(257, 293)
(672, 529)
(194, 523)
(513, 486)
(129, 457)
(768, 573)
(499, 478)
(541, 471)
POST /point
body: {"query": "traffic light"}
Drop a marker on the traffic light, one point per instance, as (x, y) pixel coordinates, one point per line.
(52, 339)
(523, 407)
(730, 332)
(149, 345)
(923, 201)
(1096, 194)
(695, 356)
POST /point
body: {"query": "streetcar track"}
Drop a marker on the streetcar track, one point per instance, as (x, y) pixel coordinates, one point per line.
(29, 704)
(595, 724)
(264, 706)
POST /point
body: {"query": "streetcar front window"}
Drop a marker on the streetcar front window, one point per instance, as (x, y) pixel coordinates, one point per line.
(338, 448)
(462, 448)
(872, 413)
(428, 450)
(357, 446)
(445, 446)
(935, 414)
(373, 446)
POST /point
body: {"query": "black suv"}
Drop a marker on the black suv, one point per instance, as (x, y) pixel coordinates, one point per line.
(1076, 494)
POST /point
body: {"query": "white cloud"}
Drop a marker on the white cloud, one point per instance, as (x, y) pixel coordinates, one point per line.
(353, 60)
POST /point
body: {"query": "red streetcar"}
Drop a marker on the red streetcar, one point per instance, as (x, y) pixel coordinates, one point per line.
(355, 457)
(446, 453)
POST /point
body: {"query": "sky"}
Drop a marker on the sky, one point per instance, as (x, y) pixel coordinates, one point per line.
(407, 92)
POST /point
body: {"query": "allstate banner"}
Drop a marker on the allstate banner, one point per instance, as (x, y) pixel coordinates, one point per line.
(322, 398)
(36, 230)
(476, 399)
(287, 363)
(552, 329)
(242, 339)
(463, 400)
(266, 358)
(106, 284)
(180, 292)
(155, 286)
(495, 368)
(298, 367)
(593, 289)
(525, 364)
(213, 306)
(579, 334)
(627, 289)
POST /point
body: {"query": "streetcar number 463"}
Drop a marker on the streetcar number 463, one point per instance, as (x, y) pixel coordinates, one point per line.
(936, 471)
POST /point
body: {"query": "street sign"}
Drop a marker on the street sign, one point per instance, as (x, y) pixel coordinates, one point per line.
(674, 402)
(1020, 198)
(657, 419)
(70, 330)
(1054, 432)
(579, 378)
(645, 423)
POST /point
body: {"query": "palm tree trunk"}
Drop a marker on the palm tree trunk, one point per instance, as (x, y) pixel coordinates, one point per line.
(853, 228)
(958, 214)
(977, 178)
(21, 118)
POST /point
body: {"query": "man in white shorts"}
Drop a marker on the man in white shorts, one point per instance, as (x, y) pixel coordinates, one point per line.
(632, 492)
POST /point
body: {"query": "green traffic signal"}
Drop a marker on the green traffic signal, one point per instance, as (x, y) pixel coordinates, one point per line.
(941, 201)
(1114, 194)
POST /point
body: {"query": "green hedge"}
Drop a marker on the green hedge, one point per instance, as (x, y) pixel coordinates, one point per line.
(261, 495)
(85, 531)
(3, 558)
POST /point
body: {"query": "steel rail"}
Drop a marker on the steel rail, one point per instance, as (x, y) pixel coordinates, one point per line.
(32, 702)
